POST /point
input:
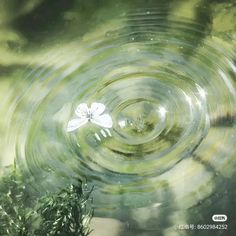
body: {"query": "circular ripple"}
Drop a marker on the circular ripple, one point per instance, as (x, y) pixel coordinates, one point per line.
(170, 101)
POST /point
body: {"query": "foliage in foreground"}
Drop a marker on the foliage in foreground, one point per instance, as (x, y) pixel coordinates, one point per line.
(15, 212)
(65, 213)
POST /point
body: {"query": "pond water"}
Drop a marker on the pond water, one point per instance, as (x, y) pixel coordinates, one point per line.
(165, 71)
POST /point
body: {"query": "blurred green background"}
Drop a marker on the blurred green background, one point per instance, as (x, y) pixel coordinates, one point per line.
(32, 30)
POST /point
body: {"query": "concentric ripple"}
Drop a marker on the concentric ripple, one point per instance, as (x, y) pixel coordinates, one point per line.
(172, 102)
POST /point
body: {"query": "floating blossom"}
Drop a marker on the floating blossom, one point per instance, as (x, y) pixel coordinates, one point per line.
(92, 114)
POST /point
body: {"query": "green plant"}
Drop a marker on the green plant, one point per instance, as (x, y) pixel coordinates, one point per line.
(64, 213)
(16, 214)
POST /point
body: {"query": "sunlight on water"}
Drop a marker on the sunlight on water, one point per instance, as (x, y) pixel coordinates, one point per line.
(165, 138)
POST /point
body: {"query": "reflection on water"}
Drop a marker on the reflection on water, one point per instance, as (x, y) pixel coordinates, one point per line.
(166, 75)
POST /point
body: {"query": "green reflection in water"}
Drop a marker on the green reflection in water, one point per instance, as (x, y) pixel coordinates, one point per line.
(139, 59)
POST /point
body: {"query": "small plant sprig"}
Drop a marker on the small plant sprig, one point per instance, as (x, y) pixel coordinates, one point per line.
(15, 211)
(64, 213)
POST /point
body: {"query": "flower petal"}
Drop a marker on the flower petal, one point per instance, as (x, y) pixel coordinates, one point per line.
(103, 120)
(82, 110)
(97, 108)
(76, 123)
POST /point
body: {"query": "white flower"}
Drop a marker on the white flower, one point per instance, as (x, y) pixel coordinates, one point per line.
(93, 114)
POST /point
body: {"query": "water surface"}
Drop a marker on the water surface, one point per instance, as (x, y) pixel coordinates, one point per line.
(165, 70)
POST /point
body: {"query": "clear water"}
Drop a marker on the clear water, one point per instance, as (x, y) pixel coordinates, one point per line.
(165, 70)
